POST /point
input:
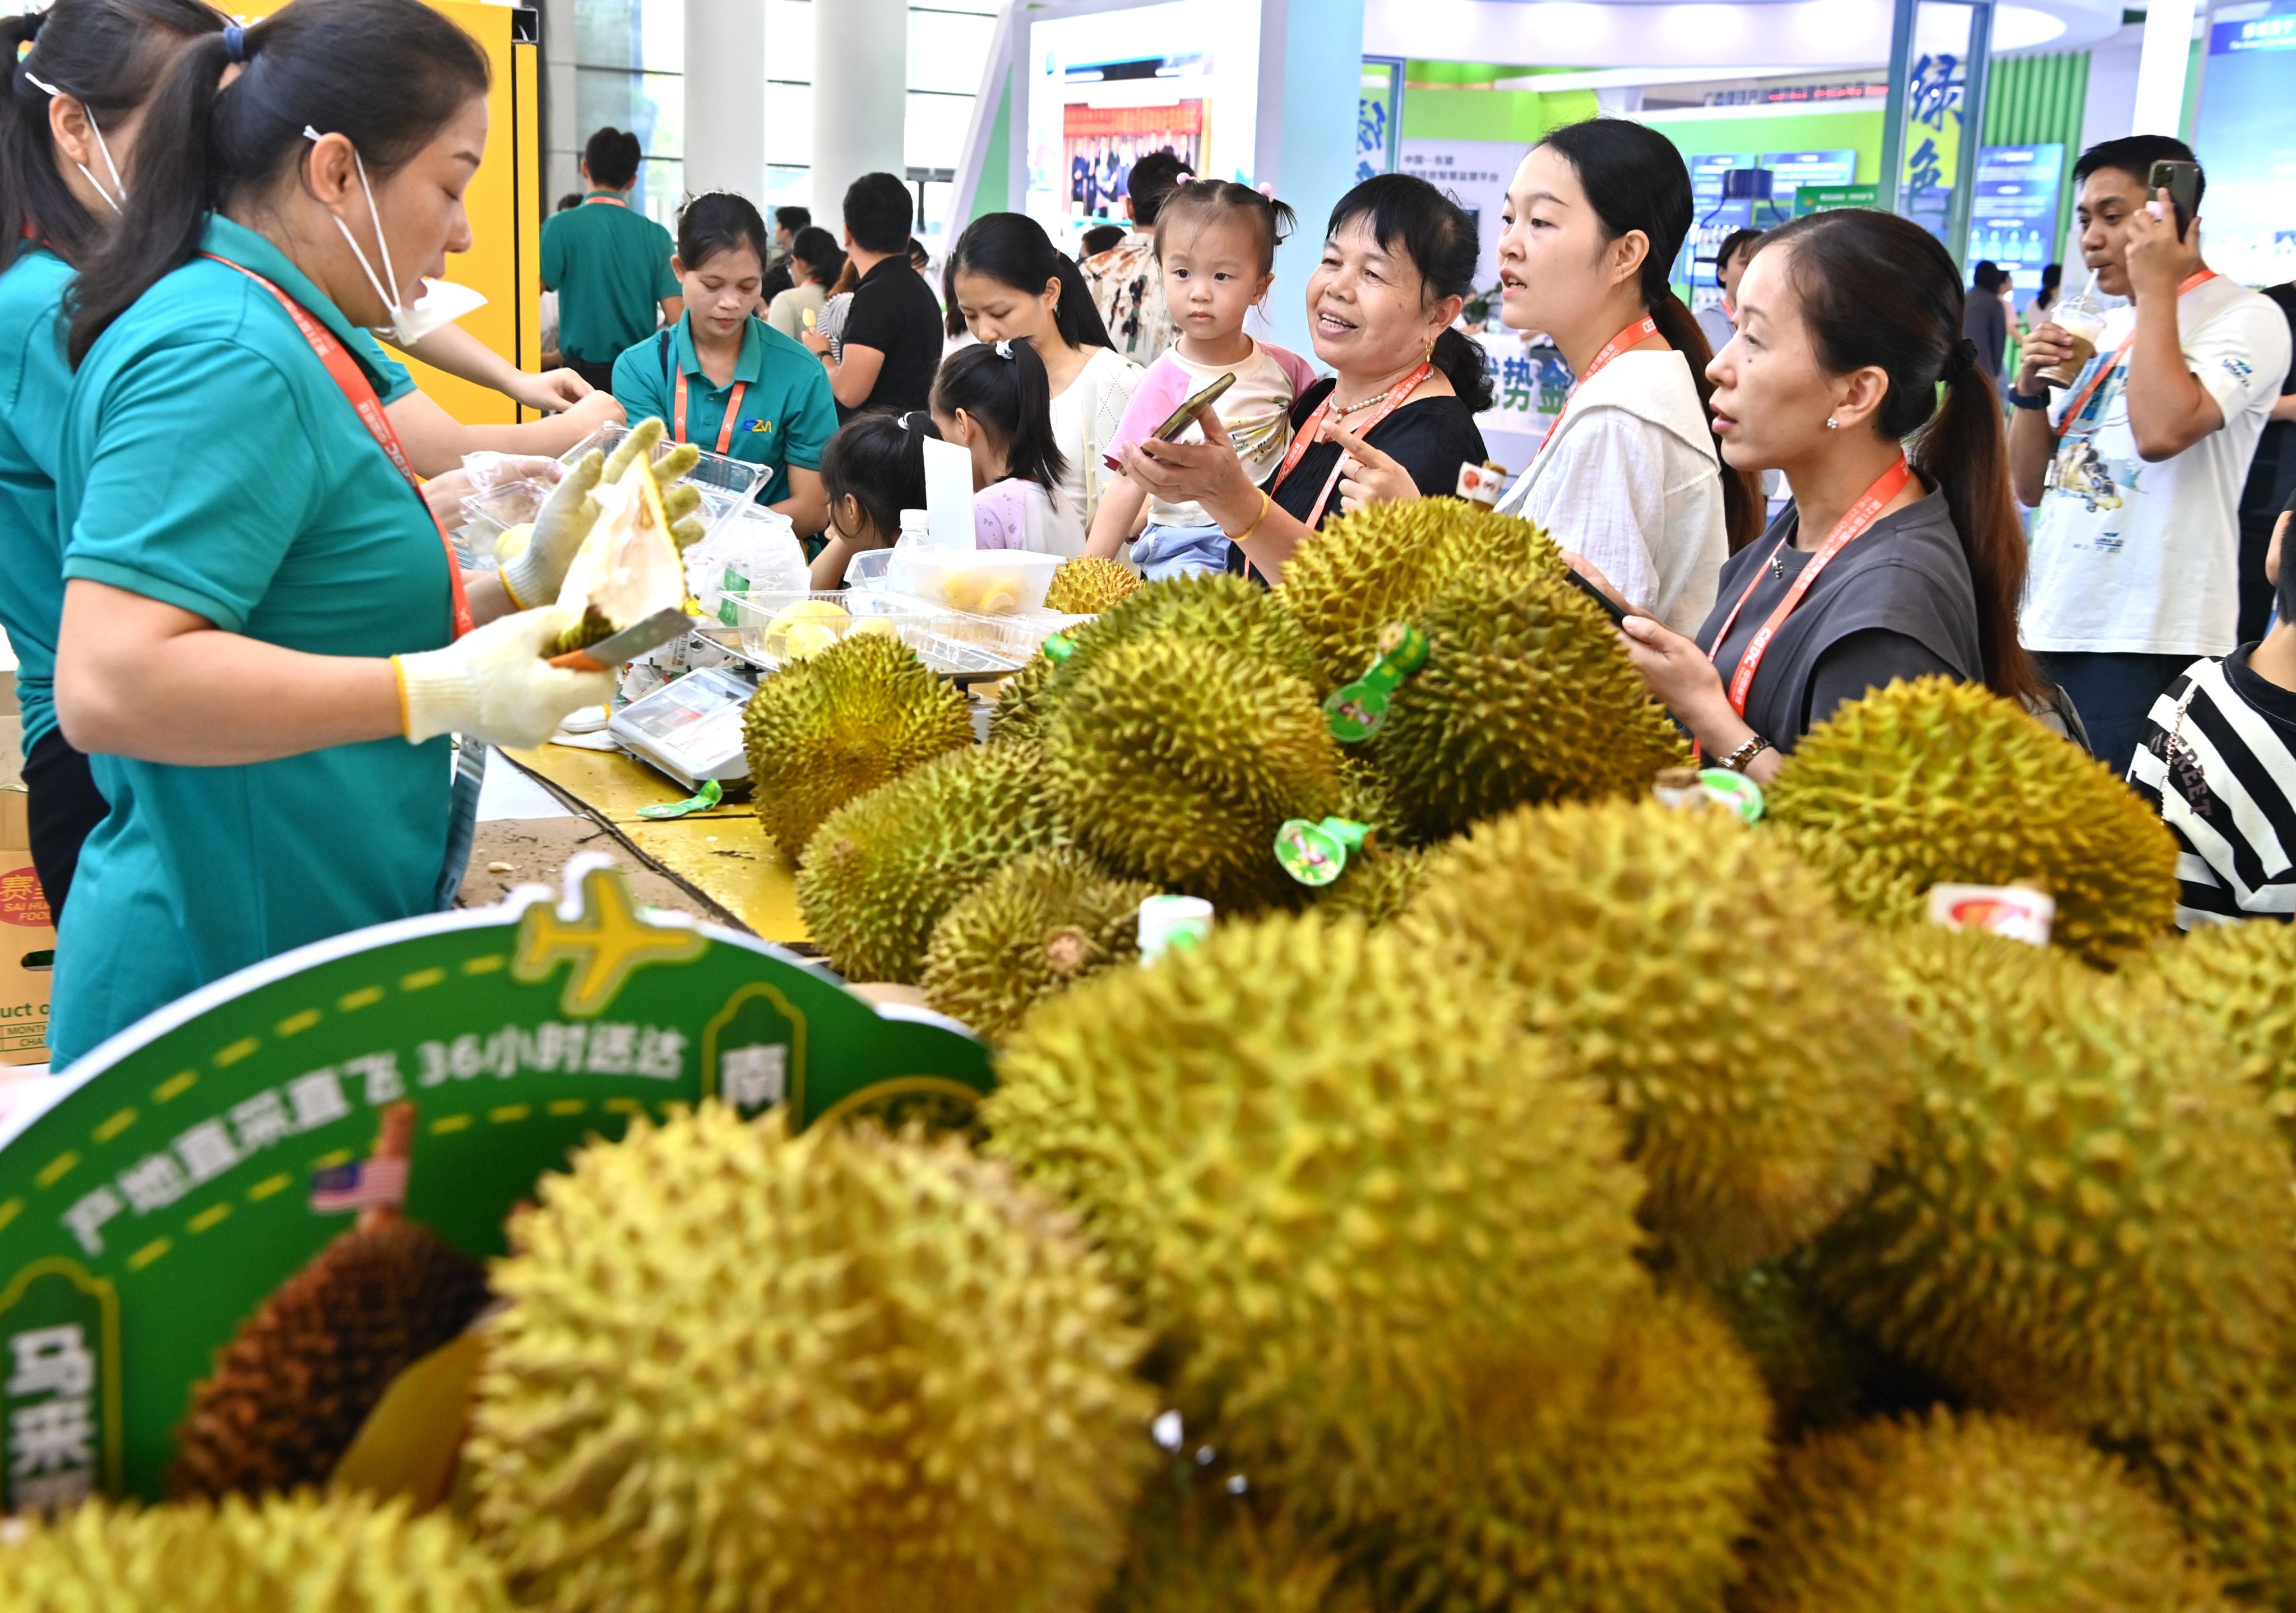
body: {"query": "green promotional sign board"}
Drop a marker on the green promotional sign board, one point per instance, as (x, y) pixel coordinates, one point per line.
(1821, 197)
(183, 1171)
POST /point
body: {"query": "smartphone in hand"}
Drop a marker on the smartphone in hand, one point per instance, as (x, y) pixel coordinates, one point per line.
(1178, 420)
(1611, 607)
(2182, 181)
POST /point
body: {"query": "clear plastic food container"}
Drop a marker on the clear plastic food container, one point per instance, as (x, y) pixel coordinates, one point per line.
(727, 485)
(772, 627)
(979, 582)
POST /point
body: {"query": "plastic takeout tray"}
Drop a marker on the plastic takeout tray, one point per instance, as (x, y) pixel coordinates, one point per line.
(727, 485)
(978, 582)
(766, 620)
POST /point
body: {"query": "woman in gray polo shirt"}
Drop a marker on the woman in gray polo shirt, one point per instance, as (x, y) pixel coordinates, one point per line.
(1901, 557)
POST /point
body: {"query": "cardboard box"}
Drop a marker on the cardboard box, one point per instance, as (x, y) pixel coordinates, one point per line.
(28, 941)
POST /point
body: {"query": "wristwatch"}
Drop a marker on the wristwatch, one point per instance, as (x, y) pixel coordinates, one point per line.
(2021, 401)
(1736, 760)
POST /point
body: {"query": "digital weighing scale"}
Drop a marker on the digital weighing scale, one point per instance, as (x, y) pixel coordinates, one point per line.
(691, 729)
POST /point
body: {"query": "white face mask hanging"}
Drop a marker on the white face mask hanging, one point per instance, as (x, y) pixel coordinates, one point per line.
(116, 197)
(442, 302)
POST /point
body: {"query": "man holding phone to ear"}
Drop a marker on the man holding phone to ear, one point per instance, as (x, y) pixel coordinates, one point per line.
(2137, 468)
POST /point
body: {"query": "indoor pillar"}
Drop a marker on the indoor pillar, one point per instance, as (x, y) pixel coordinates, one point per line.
(860, 97)
(724, 101)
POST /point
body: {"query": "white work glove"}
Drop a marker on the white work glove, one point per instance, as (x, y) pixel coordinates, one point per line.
(495, 683)
(534, 574)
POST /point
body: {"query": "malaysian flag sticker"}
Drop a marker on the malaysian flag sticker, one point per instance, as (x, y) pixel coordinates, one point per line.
(363, 1184)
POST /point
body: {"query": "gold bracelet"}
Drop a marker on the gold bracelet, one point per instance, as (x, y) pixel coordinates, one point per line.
(1266, 505)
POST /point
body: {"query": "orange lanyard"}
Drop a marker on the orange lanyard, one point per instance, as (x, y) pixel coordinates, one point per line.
(1853, 524)
(1633, 336)
(2198, 277)
(604, 201)
(725, 430)
(1305, 437)
(343, 370)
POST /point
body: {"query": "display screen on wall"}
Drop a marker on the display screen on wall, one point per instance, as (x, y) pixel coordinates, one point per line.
(2246, 140)
(1791, 170)
(1108, 88)
(1714, 219)
(1475, 174)
(2012, 217)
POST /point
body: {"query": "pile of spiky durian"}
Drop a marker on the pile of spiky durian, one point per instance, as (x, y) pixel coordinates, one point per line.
(1583, 1203)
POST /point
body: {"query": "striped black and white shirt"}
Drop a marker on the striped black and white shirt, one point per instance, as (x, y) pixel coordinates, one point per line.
(2218, 764)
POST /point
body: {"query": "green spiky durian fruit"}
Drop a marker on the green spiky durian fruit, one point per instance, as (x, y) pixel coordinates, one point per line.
(339, 1554)
(1199, 1548)
(1089, 585)
(1702, 975)
(840, 1370)
(1933, 781)
(1034, 927)
(1229, 611)
(1526, 698)
(1343, 1185)
(2243, 979)
(1017, 716)
(1973, 1514)
(881, 870)
(2231, 1477)
(821, 731)
(1386, 563)
(1376, 886)
(2088, 1220)
(1177, 761)
(1631, 1497)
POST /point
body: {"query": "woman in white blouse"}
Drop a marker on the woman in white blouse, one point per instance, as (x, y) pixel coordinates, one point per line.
(1008, 280)
(1629, 476)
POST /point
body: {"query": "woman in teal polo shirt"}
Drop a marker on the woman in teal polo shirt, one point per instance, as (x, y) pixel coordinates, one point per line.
(263, 640)
(69, 123)
(725, 378)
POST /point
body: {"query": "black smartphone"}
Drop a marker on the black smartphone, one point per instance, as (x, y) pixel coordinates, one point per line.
(1611, 607)
(1178, 420)
(2182, 181)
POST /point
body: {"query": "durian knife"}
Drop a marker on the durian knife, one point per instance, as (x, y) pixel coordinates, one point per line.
(647, 632)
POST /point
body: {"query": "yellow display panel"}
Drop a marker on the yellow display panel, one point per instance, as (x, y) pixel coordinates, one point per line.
(505, 202)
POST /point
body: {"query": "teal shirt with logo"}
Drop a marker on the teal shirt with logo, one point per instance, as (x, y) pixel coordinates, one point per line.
(610, 264)
(209, 461)
(36, 381)
(787, 413)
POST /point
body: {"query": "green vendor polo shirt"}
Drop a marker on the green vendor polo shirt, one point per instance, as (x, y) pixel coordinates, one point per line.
(609, 266)
(36, 381)
(787, 413)
(209, 461)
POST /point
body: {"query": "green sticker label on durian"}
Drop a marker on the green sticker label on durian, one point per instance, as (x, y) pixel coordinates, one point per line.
(1355, 711)
(1317, 854)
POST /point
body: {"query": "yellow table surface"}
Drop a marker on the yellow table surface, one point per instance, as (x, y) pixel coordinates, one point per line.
(722, 853)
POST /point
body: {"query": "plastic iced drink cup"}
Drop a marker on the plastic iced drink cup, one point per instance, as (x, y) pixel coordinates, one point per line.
(2081, 318)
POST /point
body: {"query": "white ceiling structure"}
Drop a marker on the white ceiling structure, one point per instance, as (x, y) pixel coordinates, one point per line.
(1747, 37)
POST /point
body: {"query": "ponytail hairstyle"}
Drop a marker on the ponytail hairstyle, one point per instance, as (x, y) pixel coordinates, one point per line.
(1003, 385)
(1211, 200)
(1875, 289)
(1634, 179)
(1013, 249)
(818, 250)
(1438, 236)
(879, 460)
(107, 54)
(719, 221)
(612, 158)
(388, 74)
